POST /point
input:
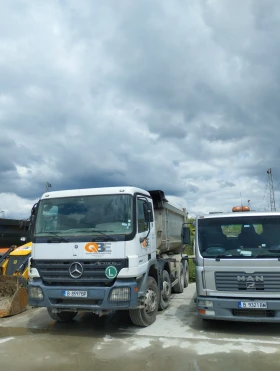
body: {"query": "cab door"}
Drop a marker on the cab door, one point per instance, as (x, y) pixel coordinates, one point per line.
(143, 227)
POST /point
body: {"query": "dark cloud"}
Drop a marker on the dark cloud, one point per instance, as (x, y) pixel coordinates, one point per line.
(176, 96)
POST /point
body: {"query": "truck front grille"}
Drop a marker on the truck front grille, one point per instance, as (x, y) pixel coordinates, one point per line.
(241, 281)
(76, 302)
(56, 272)
(252, 313)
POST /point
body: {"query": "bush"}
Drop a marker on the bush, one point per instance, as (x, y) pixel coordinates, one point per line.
(191, 270)
(189, 251)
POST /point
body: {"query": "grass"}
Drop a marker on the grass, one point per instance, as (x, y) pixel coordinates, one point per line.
(189, 251)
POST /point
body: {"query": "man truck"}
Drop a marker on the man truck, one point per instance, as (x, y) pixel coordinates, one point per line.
(106, 249)
(238, 266)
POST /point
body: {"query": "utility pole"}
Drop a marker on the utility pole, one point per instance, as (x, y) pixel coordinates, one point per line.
(271, 190)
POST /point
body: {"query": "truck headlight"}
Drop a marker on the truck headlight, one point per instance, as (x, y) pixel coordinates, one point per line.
(205, 303)
(35, 293)
(120, 294)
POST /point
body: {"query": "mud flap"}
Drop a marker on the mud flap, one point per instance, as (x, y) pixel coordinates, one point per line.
(13, 295)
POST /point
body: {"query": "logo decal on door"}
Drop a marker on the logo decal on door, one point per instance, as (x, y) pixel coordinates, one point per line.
(145, 243)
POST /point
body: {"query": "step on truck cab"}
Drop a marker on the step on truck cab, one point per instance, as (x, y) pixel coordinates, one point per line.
(238, 266)
(106, 249)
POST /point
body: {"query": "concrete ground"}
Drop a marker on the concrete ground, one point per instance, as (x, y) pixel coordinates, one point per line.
(178, 340)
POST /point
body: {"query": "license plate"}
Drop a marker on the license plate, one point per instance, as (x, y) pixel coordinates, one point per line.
(252, 305)
(75, 294)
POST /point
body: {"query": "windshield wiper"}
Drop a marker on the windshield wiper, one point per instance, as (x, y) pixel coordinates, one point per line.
(230, 255)
(106, 235)
(58, 238)
(217, 257)
(266, 256)
(101, 232)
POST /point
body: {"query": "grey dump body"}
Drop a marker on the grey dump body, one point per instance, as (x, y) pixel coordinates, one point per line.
(238, 266)
(168, 224)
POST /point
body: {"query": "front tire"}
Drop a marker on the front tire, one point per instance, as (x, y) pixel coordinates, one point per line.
(166, 291)
(146, 316)
(62, 316)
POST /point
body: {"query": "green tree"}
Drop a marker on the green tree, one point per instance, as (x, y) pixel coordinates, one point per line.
(189, 249)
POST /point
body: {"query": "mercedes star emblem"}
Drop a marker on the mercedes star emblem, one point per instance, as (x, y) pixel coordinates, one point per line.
(76, 270)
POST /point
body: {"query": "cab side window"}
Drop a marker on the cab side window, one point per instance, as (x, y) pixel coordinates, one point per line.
(142, 224)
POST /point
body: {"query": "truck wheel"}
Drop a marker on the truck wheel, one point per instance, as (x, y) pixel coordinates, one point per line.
(62, 316)
(179, 287)
(146, 316)
(186, 275)
(166, 291)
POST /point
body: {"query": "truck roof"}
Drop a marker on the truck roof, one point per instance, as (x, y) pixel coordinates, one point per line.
(239, 214)
(95, 191)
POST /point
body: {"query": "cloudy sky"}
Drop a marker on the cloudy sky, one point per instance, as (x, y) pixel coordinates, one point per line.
(181, 95)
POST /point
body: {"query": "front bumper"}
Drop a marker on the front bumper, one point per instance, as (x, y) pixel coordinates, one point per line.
(227, 309)
(98, 298)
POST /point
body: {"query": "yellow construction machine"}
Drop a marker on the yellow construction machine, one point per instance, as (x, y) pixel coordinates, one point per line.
(13, 280)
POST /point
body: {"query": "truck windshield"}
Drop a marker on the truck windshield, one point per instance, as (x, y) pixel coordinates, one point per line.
(84, 216)
(239, 237)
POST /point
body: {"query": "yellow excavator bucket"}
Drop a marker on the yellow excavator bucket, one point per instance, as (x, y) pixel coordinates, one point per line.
(13, 295)
(13, 280)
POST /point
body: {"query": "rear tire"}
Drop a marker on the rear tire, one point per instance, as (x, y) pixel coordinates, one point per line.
(165, 295)
(62, 316)
(146, 316)
(179, 287)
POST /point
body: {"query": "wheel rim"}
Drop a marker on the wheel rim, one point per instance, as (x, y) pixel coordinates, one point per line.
(182, 277)
(166, 291)
(150, 301)
(187, 277)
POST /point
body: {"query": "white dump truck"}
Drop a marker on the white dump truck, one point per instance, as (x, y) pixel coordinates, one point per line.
(106, 249)
(237, 266)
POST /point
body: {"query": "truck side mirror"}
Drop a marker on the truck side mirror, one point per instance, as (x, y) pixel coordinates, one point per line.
(186, 235)
(33, 210)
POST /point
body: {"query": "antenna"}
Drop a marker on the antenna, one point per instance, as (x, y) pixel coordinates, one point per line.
(48, 185)
(271, 189)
